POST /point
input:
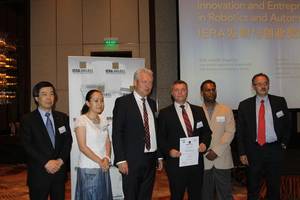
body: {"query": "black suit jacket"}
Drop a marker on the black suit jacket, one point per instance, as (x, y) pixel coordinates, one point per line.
(128, 133)
(246, 126)
(170, 131)
(39, 148)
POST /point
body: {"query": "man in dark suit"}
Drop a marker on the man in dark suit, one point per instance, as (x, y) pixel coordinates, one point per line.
(181, 120)
(134, 138)
(47, 141)
(263, 133)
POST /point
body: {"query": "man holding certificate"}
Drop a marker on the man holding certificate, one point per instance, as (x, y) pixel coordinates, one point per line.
(183, 136)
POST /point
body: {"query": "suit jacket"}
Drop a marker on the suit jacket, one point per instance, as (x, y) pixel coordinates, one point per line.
(128, 133)
(170, 131)
(247, 129)
(39, 148)
(222, 126)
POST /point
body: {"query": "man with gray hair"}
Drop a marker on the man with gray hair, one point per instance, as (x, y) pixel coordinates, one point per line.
(134, 138)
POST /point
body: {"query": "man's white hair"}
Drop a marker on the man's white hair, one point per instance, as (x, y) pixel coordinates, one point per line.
(138, 72)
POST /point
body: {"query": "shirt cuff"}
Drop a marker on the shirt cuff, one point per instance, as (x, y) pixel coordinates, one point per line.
(61, 161)
(120, 162)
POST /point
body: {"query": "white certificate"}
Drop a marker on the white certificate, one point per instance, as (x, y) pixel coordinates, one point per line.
(189, 149)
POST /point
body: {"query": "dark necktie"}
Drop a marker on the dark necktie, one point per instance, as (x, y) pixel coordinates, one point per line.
(187, 122)
(261, 135)
(146, 126)
(50, 129)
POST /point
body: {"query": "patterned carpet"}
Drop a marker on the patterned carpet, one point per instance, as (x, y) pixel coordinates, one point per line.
(13, 185)
(12, 182)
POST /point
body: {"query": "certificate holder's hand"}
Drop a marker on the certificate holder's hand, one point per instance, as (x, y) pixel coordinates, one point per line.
(123, 168)
(244, 160)
(202, 148)
(174, 153)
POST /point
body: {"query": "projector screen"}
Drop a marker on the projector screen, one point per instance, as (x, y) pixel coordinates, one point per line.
(228, 41)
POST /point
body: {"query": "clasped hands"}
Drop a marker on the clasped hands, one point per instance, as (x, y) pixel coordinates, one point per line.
(176, 154)
(104, 164)
(52, 166)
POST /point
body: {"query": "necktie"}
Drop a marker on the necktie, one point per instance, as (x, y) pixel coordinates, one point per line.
(187, 121)
(146, 126)
(261, 135)
(50, 129)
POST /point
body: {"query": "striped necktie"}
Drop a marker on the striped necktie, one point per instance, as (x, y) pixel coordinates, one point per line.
(187, 121)
(146, 126)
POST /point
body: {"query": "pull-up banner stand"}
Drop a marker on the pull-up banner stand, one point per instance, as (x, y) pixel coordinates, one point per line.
(114, 77)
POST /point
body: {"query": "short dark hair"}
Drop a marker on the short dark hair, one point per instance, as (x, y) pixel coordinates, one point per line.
(36, 89)
(260, 74)
(206, 82)
(179, 82)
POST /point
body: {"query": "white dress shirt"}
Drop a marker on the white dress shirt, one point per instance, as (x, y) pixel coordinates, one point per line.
(43, 115)
(189, 113)
(152, 131)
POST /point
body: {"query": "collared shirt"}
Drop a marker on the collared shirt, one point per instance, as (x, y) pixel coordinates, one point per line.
(210, 110)
(139, 102)
(270, 131)
(189, 113)
(43, 112)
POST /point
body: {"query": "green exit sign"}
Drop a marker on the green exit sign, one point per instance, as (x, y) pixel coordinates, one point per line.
(111, 42)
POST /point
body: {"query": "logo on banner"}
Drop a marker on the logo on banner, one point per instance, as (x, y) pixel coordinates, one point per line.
(115, 65)
(115, 69)
(83, 68)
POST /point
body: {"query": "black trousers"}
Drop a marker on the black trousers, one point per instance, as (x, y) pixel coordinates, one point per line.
(47, 188)
(185, 178)
(264, 161)
(138, 184)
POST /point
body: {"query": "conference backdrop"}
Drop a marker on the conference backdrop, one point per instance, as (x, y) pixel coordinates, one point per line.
(114, 77)
(229, 41)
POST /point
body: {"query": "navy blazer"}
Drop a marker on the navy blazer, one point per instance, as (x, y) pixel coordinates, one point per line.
(170, 131)
(128, 133)
(247, 128)
(38, 146)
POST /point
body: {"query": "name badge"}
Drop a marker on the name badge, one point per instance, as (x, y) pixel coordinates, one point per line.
(220, 119)
(279, 114)
(199, 124)
(62, 129)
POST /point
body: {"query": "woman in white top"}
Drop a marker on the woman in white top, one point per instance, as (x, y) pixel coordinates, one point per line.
(91, 128)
